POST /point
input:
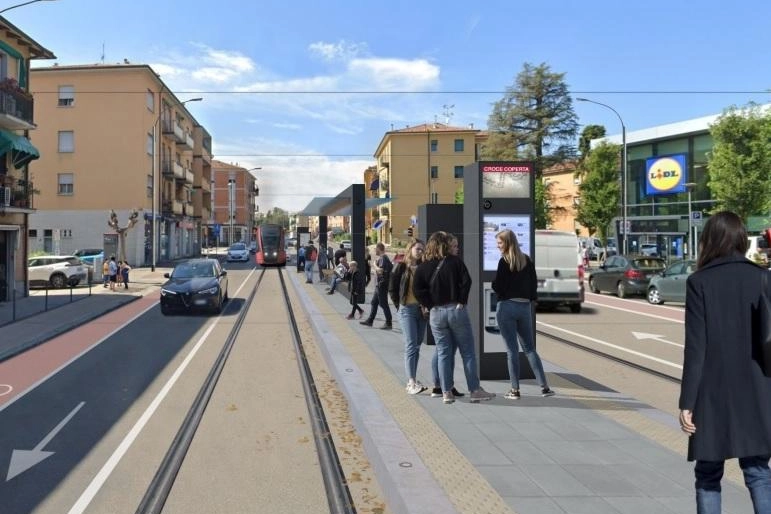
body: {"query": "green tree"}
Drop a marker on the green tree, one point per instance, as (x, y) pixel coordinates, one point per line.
(599, 188)
(535, 121)
(277, 216)
(584, 142)
(459, 195)
(740, 161)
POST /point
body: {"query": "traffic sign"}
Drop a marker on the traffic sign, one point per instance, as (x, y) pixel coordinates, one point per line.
(696, 218)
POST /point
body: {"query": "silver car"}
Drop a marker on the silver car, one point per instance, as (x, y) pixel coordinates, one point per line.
(238, 252)
(56, 270)
(669, 285)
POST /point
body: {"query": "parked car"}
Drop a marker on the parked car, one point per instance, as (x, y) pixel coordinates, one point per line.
(625, 275)
(238, 252)
(56, 270)
(669, 285)
(253, 247)
(611, 249)
(89, 255)
(346, 244)
(649, 250)
(195, 284)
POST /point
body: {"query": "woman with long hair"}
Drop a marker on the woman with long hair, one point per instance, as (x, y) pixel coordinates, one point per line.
(443, 283)
(409, 311)
(725, 398)
(516, 286)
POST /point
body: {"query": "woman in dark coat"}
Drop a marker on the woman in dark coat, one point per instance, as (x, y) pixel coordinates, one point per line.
(725, 399)
(356, 288)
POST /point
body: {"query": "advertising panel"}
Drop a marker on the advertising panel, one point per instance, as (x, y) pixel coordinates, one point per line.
(665, 175)
(506, 179)
(494, 223)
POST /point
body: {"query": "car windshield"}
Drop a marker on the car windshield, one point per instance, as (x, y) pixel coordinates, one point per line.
(238, 246)
(193, 271)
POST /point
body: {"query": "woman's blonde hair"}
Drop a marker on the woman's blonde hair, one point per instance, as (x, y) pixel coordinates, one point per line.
(408, 251)
(512, 254)
(438, 246)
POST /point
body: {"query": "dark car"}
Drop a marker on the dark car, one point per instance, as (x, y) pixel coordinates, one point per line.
(195, 284)
(669, 285)
(625, 275)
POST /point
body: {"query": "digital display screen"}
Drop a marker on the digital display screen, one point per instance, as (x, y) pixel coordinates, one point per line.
(505, 179)
(494, 223)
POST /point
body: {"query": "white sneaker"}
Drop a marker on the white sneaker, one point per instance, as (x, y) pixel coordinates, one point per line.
(415, 388)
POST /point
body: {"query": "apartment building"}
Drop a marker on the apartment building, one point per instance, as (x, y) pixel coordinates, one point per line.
(562, 181)
(16, 152)
(415, 166)
(234, 195)
(113, 137)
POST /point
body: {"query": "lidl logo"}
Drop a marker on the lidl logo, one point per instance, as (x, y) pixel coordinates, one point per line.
(665, 175)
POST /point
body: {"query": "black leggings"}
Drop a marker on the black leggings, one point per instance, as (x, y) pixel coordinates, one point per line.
(356, 308)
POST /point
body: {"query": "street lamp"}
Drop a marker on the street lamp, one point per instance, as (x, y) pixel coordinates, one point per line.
(689, 186)
(623, 171)
(23, 4)
(157, 143)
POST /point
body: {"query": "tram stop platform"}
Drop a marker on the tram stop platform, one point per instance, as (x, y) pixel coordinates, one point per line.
(588, 449)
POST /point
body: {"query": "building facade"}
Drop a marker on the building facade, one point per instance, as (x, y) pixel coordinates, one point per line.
(415, 166)
(113, 137)
(234, 195)
(17, 189)
(562, 182)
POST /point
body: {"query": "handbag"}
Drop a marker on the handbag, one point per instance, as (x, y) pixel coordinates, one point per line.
(763, 336)
(340, 270)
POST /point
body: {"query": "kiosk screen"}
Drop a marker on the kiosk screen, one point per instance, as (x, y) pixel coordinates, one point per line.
(494, 223)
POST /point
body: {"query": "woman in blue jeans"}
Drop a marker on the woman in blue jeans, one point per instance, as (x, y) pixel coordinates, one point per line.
(516, 286)
(725, 397)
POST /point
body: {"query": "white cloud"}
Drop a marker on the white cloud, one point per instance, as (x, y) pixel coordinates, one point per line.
(288, 126)
(399, 74)
(342, 50)
(350, 131)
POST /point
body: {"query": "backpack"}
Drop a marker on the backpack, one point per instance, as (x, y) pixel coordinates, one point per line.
(311, 253)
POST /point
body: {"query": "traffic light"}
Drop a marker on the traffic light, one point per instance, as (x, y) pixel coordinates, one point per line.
(409, 231)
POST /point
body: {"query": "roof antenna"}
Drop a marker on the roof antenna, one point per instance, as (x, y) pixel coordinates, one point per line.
(102, 52)
(448, 113)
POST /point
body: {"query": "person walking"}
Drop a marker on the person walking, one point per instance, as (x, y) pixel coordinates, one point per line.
(322, 261)
(311, 254)
(410, 312)
(124, 271)
(725, 399)
(516, 286)
(330, 257)
(105, 273)
(356, 288)
(383, 268)
(443, 284)
(113, 271)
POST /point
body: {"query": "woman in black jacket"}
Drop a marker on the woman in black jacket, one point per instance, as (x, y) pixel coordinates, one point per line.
(356, 288)
(443, 283)
(516, 286)
(725, 399)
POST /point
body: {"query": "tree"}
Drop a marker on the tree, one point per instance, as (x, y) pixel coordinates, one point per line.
(589, 133)
(599, 189)
(740, 161)
(536, 118)
(459, 195)
(112, 222)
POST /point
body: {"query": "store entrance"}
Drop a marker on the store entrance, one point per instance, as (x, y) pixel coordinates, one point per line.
(670, 246)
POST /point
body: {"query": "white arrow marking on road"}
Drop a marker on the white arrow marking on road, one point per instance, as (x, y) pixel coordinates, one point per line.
(22, 460)
(655, 337)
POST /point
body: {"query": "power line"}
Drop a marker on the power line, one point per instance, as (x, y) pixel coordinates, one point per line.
(447, 92)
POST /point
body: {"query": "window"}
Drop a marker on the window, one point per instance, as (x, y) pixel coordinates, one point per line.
(150, 186)
(434, 171)
(66, 184)
(434, 145)
(150, 145)
(150, 99)
(66, 141)
(434, 197)
(458, 173)
(66, 96)
(32, 233)
(458, 145)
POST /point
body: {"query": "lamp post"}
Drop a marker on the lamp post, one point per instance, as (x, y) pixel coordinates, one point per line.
(689, 187)
(623, 171)
(23, 4)
(156, 144)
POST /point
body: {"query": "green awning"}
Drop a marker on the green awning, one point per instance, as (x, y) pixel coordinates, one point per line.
(20, 147)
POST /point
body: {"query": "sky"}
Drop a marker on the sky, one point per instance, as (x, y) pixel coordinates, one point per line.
(306, 90)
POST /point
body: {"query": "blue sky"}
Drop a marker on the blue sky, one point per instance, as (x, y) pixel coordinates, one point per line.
(656, 62)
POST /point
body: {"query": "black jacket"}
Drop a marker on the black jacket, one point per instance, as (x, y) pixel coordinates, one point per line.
(397, 288)
(509, 284)
(452, 283)
(355, 286)
(722, 383)
(384, 278)
(338, 254)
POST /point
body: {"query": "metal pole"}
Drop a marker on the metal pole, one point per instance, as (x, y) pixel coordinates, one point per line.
(623, 186)
(155, 194)
(690, 227)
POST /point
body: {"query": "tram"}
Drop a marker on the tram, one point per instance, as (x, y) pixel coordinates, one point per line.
(270, 245)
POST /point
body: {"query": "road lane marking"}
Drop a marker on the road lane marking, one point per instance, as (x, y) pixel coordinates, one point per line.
(611, 345)
(655, 337)
(635, 312)
(104, 473)
(5, 389)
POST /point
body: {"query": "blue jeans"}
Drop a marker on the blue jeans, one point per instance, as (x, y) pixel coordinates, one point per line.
(515, 318)
(309, 270)
(451, 327)
(335, 280)
(414, 329)
(435, 365)
(757, 478)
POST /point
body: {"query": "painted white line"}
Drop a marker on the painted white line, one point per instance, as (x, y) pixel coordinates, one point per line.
(5, 389)
(610, 345)
(101, 477)
(637, 312)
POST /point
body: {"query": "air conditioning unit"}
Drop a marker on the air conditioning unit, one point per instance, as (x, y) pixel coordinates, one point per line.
(5, 196)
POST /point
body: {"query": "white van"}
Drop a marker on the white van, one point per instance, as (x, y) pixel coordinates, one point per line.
(559, 268)
(757, 250)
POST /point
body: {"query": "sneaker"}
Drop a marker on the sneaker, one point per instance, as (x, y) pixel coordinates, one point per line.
(436, 392)
(448, 398)
(457, 393)
(330, 292)
(386, 326)
(545, 391)
(350, 316)
(480, 394)
(513, 394)
(415, 388)
(366, 322)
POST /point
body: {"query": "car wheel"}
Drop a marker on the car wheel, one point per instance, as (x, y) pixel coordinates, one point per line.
(654, 297)
(227, 298)
(621, 290)
(575, 308)
(58, 281)
(218, 308)
(593, 287)
(165, 310)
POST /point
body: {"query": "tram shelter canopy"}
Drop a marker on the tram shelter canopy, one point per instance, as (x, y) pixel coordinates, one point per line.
(340, 205)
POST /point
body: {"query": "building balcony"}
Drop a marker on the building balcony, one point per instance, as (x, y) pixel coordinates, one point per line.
(188, 143)
(166, 167)
(189, 176)
(16, 110)
(174, 129)
(177, 207)
(16, 194)
(179, 170)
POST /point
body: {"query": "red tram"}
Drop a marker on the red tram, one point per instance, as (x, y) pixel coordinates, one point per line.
(270, 245)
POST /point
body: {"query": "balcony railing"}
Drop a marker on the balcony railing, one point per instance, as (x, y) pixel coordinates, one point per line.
(16, 193)
(189, 176)
(17, 110)
(179, 170)
(189, 143)
(177, 207)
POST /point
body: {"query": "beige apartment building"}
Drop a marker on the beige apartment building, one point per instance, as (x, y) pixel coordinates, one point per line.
(234, 202)
(16, 152)
(419, 165)
(113, 137)
(565, 197)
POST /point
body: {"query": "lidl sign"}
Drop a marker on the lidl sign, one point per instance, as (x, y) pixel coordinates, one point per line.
(665, 175)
